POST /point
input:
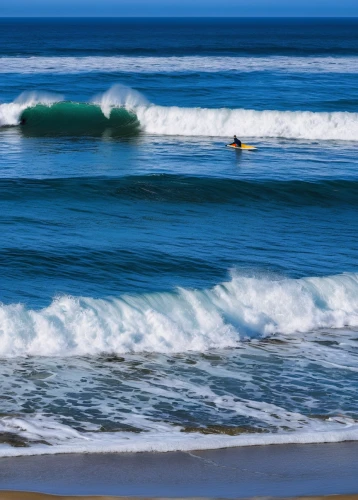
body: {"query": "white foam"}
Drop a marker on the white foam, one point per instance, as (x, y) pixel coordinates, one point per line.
(223, 122)
(186, 320)
(63, 439)
(248, 123)
(120, 96)
(209, 64)
(10, 113)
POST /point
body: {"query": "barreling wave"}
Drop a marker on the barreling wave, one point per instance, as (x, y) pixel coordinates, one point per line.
(10, 113)
(124, 111)
(167, 188)
(45, 114)
(184, 320)
(67, 118)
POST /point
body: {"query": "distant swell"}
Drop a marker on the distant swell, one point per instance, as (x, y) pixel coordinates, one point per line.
(183, 64)
(121, 111)
(185, 320)
(167, 188)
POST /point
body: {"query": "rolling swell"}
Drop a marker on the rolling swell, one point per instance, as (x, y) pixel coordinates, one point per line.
(184, 320)
(181, 189)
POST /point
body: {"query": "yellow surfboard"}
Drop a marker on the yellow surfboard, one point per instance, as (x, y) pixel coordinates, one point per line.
(243, 146)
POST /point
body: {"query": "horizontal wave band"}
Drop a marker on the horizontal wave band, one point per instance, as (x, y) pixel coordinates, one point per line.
(189, 64)
(249, 123)
(167, 188)
(124, 111)
(184, 320)
(57, 438)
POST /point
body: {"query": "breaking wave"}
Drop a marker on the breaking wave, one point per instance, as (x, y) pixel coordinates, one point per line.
(10, 113)
(42, 114)
(124, 111)
(249, 123)
(184, 320)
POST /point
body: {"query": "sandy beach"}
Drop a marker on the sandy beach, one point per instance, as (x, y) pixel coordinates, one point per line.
(271, 471)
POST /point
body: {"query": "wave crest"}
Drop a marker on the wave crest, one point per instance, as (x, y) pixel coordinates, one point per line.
(10, 113)
(245, 307)
(249, 123)
(124, 110)
(119, 96)
(170, 188)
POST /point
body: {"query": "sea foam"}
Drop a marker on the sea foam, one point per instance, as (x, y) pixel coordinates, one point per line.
(120, 96)
(183, 320)
(248, 123)
(63, 439)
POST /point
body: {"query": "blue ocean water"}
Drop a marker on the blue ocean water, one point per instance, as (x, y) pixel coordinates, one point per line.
(158, 290)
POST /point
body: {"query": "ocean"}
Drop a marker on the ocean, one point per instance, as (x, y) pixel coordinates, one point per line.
(160, 291)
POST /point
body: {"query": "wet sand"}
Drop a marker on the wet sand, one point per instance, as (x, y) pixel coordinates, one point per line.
(261, 471)
(20, 495)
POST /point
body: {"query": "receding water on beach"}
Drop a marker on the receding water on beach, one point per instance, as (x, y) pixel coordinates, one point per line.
(158, 290)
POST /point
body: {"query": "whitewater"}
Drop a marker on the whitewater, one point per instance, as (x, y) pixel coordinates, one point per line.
(187, 320)
(249, 123)
(50, 438)
(177, 121)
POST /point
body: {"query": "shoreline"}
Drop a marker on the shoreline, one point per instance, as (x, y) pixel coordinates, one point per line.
(20, 495)
(285, 471)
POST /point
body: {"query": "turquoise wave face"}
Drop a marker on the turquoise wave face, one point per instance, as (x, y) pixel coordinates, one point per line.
(67, 118)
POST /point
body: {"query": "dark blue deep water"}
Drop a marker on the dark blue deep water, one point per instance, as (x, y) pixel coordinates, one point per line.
(158, 290)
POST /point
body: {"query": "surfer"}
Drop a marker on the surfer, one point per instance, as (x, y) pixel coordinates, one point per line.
(237, 141)
(237, 144)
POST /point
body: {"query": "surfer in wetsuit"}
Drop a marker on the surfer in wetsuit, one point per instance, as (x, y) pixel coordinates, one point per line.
(237, 141)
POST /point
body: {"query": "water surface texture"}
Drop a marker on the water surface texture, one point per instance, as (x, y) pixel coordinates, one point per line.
(158, 290)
